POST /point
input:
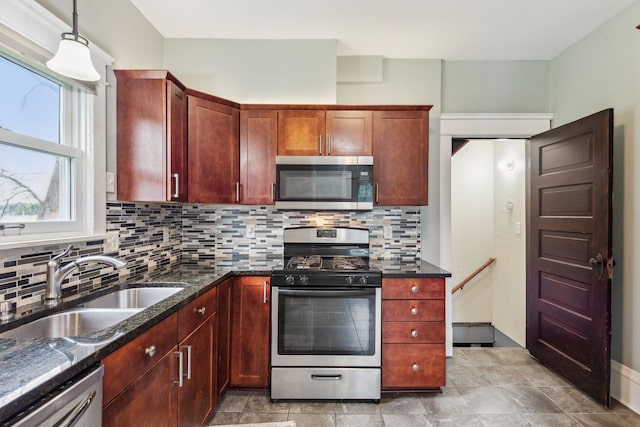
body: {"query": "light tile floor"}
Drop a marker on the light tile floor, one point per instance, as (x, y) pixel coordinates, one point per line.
(485, 387)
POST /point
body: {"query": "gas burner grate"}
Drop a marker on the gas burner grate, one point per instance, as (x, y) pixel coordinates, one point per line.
(349, 263)
(305, 262)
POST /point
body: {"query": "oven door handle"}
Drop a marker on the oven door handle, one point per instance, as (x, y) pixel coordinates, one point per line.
(327, 293)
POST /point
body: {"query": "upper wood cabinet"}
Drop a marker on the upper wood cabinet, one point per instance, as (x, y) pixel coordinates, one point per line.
(401, 157)
(300, 132)
(349, 133)
(214, 152)
(258, 145)
(151, 136)
(324, 133)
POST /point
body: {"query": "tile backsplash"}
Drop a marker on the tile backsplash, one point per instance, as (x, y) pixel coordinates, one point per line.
(157, 238)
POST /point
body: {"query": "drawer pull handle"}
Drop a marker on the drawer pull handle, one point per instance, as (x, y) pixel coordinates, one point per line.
(151, 351)
(414, 289)
(180, 381)
(202, 310)
(414, 311)
(415, 367)
(414, 333)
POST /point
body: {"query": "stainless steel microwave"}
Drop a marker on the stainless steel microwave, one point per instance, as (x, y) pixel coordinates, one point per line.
(324, 182)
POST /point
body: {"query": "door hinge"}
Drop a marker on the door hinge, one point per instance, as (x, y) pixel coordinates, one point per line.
(610, 264)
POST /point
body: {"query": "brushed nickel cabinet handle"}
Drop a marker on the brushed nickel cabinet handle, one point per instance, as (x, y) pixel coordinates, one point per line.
(414, 311)
(264, 292)
(320, 144)
(237, 192)
(202, 310)
(415, 367)
(377, 192)
(414, 289)
(176, 180)
(328, 145)
(180, 356)
(188, 348)
(414, 333)
(273, 191)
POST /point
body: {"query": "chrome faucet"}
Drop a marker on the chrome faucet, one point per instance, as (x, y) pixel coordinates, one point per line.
(56, 274)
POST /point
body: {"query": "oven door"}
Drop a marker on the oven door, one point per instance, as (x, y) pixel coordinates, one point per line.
(324, 182)
(326, 327)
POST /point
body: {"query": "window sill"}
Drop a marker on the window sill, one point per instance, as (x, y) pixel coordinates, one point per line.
(22, 242)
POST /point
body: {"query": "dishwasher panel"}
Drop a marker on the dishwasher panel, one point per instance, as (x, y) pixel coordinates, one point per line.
(76, 404)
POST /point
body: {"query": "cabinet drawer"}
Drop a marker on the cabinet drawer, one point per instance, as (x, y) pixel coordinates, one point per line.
(413, 332)
(413, 366)
(412, 310)
(133, 359)
(415, 288)
(196, 312)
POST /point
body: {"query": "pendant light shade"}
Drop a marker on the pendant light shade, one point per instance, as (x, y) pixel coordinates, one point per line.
(73, 58)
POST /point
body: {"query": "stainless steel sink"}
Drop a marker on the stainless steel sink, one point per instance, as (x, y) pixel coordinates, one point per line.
(132, 298)
(70, 323)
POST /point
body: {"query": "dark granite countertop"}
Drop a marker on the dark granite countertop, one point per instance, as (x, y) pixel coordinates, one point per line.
(31, 368)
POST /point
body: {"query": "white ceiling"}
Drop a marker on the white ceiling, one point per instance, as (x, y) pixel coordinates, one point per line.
(447, 29)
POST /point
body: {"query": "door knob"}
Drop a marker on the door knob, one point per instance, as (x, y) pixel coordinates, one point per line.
(597, 264)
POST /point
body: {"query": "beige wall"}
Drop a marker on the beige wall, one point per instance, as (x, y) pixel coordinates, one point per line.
(598, 72)
(257, 71)
(117, 27)
(472, 241)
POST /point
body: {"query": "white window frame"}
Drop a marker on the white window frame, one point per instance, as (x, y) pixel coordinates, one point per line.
(83, 128)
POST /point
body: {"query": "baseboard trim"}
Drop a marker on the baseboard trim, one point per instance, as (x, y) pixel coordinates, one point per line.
(625, 386)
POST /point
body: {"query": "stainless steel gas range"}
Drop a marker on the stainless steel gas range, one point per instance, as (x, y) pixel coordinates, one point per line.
(326, 317)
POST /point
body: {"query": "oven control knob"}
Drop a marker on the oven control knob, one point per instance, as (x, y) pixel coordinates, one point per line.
(304, 280)
(363, 280)
(289, 280)
(349, 280)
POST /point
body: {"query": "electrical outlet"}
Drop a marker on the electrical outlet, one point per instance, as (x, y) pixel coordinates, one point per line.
(112, 242)
(518, 228)
(166, 236)
(251, 230)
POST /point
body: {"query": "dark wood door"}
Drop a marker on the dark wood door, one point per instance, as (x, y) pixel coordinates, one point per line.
(197, 397)
(301, 133)
(349, 133)
(150, 401)
(401, 157)
(569, 246)
(258, 146)
(177, 144)
(214, 154)
(250, 332)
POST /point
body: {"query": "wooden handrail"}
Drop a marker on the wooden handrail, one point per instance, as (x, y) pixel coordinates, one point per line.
(472, 275)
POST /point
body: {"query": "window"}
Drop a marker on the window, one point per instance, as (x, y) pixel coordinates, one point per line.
(41, 153)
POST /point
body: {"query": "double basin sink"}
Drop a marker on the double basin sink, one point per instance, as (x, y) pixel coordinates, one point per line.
(94, 315)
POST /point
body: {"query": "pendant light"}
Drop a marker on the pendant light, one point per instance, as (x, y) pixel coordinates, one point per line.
(73, 58)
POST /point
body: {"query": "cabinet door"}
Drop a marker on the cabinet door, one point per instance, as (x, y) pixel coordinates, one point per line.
(177, 146)
(401, 157)
(213, 146)
(197, 397)
(250, 332)
(258, 146)
(142, 139)
(149, 401)
(301, 133)
(349, 133)
(224, 336)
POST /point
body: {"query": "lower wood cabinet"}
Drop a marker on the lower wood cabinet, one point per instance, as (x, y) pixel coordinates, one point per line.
(413, 334)
(166, 376)
(250, 332)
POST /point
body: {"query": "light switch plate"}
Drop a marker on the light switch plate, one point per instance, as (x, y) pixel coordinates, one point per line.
(251, 230)
(111, 182)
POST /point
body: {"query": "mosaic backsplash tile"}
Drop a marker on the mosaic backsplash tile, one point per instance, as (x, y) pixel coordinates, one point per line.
(157, 238)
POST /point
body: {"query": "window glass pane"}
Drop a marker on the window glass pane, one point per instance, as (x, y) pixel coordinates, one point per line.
(34, 186)
(30, 103)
